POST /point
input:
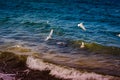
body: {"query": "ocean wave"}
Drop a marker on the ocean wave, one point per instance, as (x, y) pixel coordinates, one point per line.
(59, 64)
(62, 71)
(95, 47)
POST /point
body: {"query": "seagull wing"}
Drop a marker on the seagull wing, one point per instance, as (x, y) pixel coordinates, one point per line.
(51, 32)
(50, 35)
(47, 38)
(82, 26)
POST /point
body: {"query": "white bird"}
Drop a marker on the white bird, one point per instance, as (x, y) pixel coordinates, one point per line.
(118, 35)
(82, 45)
(81, 26)
(50, 35)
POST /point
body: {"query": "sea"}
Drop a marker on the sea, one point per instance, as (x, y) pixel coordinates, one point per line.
(25, 24)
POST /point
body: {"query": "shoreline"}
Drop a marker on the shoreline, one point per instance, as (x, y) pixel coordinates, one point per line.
(19, 67)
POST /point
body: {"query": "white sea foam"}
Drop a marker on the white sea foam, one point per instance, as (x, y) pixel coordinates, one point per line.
(7, 76)
(63, 72)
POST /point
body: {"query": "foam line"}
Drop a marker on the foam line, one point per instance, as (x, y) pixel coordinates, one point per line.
(63, 72)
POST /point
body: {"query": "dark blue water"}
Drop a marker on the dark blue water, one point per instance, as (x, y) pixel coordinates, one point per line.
(32, 20)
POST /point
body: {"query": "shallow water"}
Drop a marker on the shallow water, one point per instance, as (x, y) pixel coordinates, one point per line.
(27, 24)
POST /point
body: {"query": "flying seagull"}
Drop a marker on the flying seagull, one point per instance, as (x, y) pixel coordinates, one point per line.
(118, 35)
(81, 26)
(50, 35)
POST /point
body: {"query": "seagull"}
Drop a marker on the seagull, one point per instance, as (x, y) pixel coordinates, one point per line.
(81, 26)
(50, 35)
(118, 35)
(82, 45)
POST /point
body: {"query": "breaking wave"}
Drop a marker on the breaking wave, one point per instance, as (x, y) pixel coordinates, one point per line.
(62, 71)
